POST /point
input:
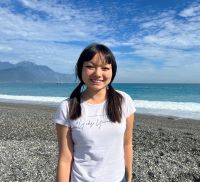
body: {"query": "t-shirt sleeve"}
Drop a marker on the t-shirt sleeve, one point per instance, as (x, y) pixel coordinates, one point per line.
(129, 106)
(61, 116)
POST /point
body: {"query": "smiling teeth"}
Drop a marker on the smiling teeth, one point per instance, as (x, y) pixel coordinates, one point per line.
(96, 80)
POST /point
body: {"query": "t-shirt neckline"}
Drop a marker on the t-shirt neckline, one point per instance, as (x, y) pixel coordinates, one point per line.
(90, 104)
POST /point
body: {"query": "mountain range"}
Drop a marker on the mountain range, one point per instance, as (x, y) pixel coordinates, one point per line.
(28, 72)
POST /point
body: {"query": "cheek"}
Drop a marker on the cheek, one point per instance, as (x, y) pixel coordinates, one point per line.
(85, 73)
(109, 74)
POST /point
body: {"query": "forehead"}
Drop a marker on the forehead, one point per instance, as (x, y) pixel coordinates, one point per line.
(98, 59)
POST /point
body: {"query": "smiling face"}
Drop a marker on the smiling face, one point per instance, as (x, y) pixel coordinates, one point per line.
(96, 73)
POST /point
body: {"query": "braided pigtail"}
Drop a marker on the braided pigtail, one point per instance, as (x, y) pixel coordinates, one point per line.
(74, 102)
(114, 107)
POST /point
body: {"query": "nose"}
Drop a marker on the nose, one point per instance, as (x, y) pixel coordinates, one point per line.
(97, 72)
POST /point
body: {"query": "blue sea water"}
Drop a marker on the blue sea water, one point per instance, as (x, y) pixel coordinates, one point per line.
(181, 100)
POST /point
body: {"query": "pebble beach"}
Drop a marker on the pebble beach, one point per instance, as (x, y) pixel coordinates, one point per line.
(165, 148)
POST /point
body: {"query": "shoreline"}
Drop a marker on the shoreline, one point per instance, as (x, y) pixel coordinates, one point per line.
(53, 106)
(165, 148)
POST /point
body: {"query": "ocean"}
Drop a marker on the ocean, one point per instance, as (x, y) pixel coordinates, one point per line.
(180, 100)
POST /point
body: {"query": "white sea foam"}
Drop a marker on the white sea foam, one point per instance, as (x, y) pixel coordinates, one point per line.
(178, 109)
(167, 108)
(31, 99)
(182, 106)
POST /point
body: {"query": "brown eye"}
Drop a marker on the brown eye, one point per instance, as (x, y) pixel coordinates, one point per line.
(90, 67)
(105, 69)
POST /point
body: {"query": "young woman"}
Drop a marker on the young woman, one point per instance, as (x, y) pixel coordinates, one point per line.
(94, 126)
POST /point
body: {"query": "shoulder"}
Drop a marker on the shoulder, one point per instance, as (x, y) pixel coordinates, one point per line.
(64, 104)
(124, 94)
(128, 104)
(61, 116)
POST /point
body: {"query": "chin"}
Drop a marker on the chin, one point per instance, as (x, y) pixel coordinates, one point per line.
(97, 87)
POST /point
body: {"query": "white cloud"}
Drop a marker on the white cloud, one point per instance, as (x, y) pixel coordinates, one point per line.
(173, 41)
(5, 48)
(147, 73)
(59, 57)
(161, 44)
(28, 36)
(165, 49)
(61, 22)
(193, 10)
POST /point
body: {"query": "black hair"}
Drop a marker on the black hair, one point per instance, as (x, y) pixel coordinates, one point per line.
(114, 98)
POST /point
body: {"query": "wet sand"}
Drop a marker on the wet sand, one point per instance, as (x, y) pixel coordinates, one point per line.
(165, 148)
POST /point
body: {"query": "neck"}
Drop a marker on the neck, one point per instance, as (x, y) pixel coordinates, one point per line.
(94, 97)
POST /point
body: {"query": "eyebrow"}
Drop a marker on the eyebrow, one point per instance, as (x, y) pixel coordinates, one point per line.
(90, 62)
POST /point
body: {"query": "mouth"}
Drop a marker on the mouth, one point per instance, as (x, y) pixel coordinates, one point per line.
(96, 81)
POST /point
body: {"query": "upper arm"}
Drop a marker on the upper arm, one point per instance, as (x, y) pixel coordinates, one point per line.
(129, 130)
(65, 143)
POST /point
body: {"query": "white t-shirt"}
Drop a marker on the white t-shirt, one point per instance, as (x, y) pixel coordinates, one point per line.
(98, 142)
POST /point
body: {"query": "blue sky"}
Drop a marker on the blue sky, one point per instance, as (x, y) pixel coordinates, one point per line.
(152, 40)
